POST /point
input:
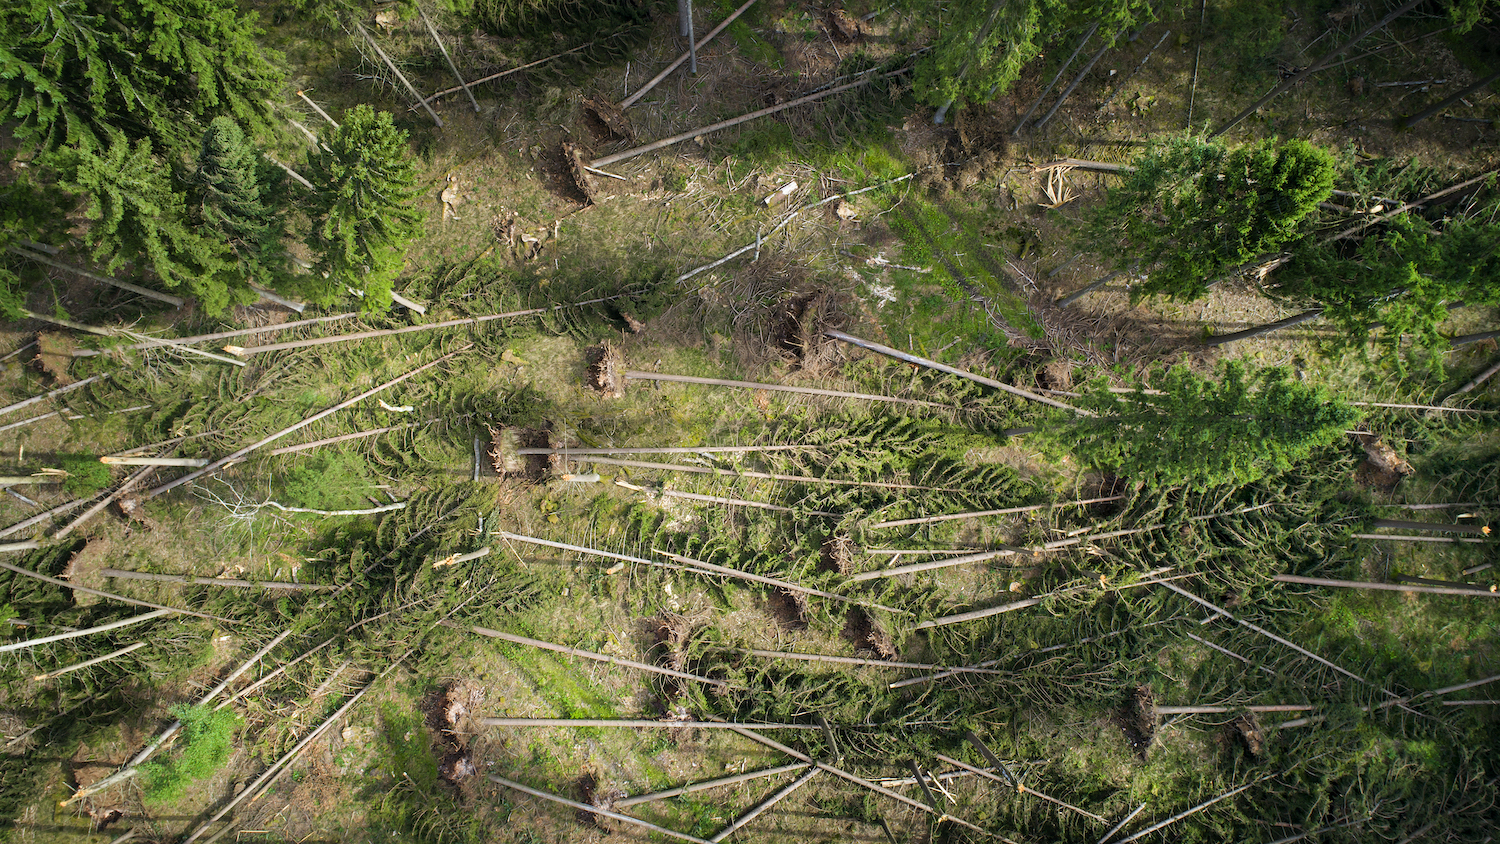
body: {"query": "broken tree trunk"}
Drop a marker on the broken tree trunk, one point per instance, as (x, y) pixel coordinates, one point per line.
(73, 634)
(752, 385)
(1316, 66)
(1403, 208)
(707, 449)
(99, 506)
(399, 75)
(942, 367)
(582, 654)
(1477, 380)
(1021, 124)
(90, 662)
(431, 30)
(719, 499)
(715, 127)
(712, 34)
(238, 455)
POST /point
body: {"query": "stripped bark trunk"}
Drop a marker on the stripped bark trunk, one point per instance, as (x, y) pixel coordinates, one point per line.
(42, 517)
(1477, 380)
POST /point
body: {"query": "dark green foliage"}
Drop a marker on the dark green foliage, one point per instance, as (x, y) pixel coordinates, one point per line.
(73, 73)
(232, 196)
(203, 746)
(86, 475)
(29, 212)
(138, 217)
(1398, 282)
(1194, 211)
(367, 183)
(982, 47)
(1203, 433)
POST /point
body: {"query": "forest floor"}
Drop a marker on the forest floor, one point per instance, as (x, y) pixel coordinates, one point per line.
(951, 254)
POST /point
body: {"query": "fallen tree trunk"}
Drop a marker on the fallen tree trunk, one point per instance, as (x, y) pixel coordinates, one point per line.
(91, 662)
(73, 634)
(174, 301)
(712, 34)
(583, 654)
(51, 395)
(982, 513)
(726, 124)
(942, 367)
(707, 784)
(222, 335)
(1389, 587)
(399, 75)
(781, 388)
(238, 455)
(589, 810)
(756, 810)
(112, 596)
(213, 581)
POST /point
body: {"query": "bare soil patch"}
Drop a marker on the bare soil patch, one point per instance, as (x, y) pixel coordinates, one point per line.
(866, 634)
(1137, 719)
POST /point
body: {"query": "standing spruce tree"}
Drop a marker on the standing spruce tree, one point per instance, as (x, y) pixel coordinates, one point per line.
(1203, 433)
(137, 217)
(1194, 211)
(72, 73)
(982, 46)
(233, 196)
(364, 208)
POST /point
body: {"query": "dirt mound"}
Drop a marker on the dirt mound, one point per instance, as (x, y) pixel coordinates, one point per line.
(1136, 718)
(798, 325)
(837, 555)
(865, 634)
(54, 354)
(788, 608)
(505, 443)
(606, 372)
(1382, 468)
